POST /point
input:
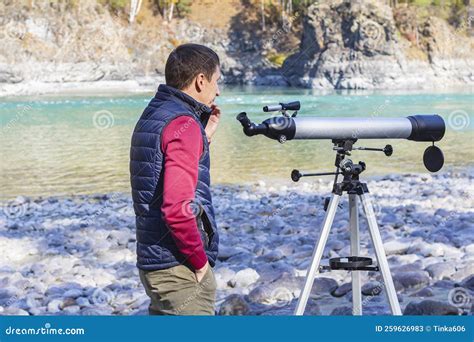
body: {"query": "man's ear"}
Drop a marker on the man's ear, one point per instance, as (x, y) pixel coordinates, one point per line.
(199, 82)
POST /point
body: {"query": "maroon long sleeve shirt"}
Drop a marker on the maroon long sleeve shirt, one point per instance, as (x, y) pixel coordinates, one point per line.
(182, 146)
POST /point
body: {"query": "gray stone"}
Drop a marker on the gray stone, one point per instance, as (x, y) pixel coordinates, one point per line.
(54, 306)
(342, 311)
(12, 311)
(396, 247)
(430, 308)
(6, 297)
(425, 292)
(234, 305)
(275, 224)
(342, 290)
(441, 270)
(468, 283)
(72, 310)
(225, 252)
(83, 301)
(272, 256)
(96, 311)
(73, 293)
(312, 309)
(323, 285)
(244, 278)
(411, 280)
(373, 288)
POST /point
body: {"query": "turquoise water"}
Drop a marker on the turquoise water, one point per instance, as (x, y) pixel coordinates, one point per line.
(74, 144)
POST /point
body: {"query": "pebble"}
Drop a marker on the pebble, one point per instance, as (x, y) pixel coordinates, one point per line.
(244, 278)
(425, 292)
(396, 247)
(373, 288)
(234, 305)
(430, 308)
(441, 270)
(468, 283)
(411, 280)
(342, 290)
(342, 311)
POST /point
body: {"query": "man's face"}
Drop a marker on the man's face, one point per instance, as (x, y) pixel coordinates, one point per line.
(210, 89)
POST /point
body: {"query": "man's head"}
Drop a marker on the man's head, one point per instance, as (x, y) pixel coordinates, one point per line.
(194, 69)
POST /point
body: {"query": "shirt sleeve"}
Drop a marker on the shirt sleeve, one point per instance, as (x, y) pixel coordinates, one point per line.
(182, 147)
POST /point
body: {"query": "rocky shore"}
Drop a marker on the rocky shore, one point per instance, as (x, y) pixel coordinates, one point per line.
(76, 255)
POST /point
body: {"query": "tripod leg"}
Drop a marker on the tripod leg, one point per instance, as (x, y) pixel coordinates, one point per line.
(380, 254)
(317, 254)
(355, 249)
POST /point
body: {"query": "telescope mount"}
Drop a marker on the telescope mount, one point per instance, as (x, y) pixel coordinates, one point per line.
(357, 191)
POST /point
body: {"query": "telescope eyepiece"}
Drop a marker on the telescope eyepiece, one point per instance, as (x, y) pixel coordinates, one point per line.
(244, 120)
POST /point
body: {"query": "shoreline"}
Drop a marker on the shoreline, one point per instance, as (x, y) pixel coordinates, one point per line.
(133, 86)
(144, 85)
(456, 171)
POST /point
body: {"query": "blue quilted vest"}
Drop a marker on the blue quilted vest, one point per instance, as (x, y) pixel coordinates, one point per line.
(156, 248)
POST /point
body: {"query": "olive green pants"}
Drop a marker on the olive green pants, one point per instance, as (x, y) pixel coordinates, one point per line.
(175, 291)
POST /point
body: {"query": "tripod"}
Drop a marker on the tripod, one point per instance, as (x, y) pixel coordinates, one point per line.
(357, 191)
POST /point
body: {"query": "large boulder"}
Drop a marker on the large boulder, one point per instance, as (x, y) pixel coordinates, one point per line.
(346, 45)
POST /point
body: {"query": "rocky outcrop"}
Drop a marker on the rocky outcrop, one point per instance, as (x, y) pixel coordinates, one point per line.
(354, 45)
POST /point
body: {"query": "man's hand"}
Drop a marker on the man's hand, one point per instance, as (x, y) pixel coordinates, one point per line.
(213, 122)
(201, 272)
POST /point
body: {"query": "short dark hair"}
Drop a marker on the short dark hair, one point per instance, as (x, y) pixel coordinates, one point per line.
(187, 61)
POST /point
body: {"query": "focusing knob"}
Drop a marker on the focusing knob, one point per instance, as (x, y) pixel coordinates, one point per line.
(295, 175)
(388, 150)
(282, 139)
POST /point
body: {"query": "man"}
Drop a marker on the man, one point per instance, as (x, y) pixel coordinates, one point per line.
(177, 239)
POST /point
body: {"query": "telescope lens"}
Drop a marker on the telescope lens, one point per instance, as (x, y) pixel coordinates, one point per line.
(433, 158)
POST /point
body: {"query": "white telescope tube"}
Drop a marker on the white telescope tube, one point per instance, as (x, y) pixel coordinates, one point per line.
(351, 128)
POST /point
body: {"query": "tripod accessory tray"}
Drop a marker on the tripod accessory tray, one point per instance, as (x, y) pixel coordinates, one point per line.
(351, 263)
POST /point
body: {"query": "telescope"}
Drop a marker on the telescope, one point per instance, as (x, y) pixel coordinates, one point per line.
(344, 133)
(420, 128)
